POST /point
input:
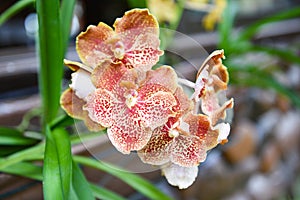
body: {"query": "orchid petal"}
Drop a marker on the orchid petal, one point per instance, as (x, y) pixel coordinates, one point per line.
(144, 53)
(188, 151)
(73, 105)
(183, 177)
(74, 66)
(108, 75)
(164, 76)
(185, 104)
(156, 152)
(223, 129)
(81, 83)
(102, 107)
(139, 32)
(137, 21)
(200, 126)
(126, 135)
(157, 108)
(93, 45)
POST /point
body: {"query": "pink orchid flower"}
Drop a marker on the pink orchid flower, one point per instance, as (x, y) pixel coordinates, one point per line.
(134, 41)
(131, 109)
(145, 110)
(212, 80)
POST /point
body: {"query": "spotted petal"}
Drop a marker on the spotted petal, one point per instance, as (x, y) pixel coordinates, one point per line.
(157, 152)
(199, 125)
(164, 76)
(188, 151)
(139, 33)
(156, 105)
(126, 135)
(183, 177)
(108, 75)
(137, 21)
(185, 104)
(73, 105)
(93, 45)
(102, 107)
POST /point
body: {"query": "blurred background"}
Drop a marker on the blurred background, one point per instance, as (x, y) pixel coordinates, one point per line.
(261, 40)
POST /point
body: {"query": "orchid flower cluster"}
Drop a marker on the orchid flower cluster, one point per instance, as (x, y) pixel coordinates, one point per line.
(146, 110)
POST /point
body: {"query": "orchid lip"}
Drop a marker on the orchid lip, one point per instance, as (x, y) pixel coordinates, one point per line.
(173, 133)
(119, 51)
(131, 99)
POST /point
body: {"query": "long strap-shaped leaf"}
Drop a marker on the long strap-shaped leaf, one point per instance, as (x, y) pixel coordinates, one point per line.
(14, 9)
(253, 76)
(51, 56)
(251, 30)
(82, 189)
(138, 183)
(57, 165)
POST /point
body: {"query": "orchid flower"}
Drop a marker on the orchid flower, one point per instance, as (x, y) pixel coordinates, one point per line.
(133, 42)
(145, 110)
(132, 110)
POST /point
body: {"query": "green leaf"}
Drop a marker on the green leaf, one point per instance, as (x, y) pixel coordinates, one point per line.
(66, 12)
(15, 140)
(62, 121)
(80, 185)
(32, 153)
(51, 56)
(138, 183)
(25, 169)
(251, 30)
(10, 131)
(285, 54)
(137, 3)
(252, 76)
(11, 136)
(81, 189)
(57, 165)
(102, 193)
(7, 150)
(225, 27)
(14, 9)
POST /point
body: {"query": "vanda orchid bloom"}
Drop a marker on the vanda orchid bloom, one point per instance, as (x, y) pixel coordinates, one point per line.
(145, 110)
(134, 42)
(132, 110)
(182, 143)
